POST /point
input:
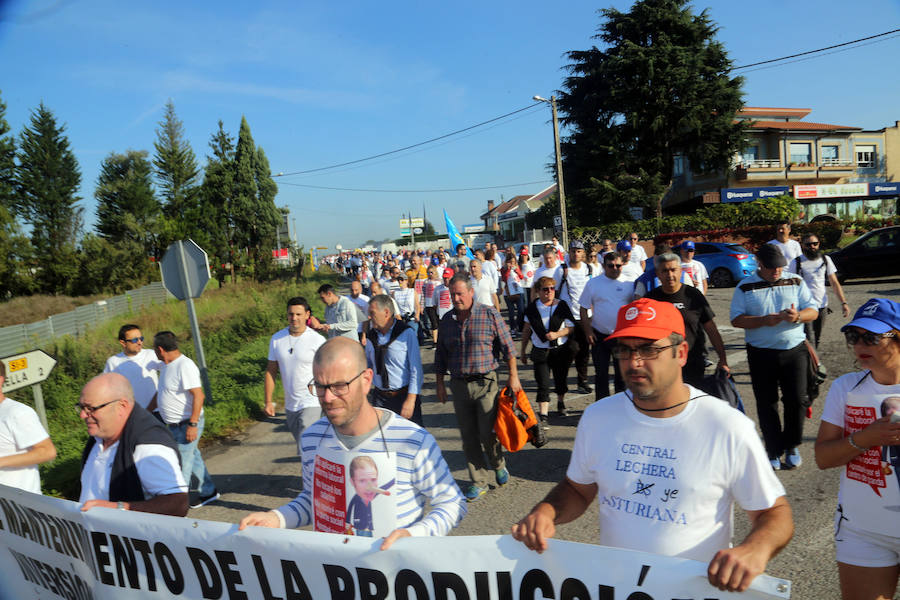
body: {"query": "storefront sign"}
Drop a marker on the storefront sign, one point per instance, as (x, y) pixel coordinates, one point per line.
(752, 193)
(890, 188)
(508, 216)
(842, 190)
(473, 228)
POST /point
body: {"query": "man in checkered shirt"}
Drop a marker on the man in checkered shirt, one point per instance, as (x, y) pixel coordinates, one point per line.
(467, 336)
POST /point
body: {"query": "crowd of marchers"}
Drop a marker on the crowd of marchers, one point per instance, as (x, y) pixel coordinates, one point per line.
(353, 386)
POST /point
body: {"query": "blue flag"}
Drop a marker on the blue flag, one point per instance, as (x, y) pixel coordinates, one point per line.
(455, 238)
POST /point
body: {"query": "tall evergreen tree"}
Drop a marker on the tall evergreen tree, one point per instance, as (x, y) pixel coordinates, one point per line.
(216, 197)
(47, 181)
(15, 249)
(244, 205)
(127, 209)
(7, 161)
(659, 87)
(269, 215)
(177, 173)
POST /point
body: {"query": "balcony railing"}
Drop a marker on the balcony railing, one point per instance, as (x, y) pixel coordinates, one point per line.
(836, 162)
(765, 163)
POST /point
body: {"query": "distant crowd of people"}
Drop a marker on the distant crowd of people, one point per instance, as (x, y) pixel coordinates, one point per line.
(352, 382)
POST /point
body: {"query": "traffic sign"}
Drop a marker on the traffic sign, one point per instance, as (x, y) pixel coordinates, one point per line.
(417, 230)
(185, 269)
(27, 369)
(557, 221)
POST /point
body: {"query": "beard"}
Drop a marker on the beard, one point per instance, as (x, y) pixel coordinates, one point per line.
(811, 254)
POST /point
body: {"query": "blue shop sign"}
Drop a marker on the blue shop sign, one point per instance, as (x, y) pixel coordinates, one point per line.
(890, 188)
(752, 193)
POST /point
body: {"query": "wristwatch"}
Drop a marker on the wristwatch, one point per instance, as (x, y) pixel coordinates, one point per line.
(192, 423)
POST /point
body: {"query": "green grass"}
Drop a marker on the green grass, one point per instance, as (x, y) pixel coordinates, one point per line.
(236, 323)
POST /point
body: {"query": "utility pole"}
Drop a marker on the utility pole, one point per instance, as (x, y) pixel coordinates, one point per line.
(559, 174)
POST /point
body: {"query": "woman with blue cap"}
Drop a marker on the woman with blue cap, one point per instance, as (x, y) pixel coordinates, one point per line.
(860, 432)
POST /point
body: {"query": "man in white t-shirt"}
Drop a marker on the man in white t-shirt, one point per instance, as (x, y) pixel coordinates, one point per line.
(631, 271)
(361, 301)
(130, 461)
(600, 299)
(180, 403)
(291, 353)
(638, 254)
(441, 295)
(24, 443)
(667, 462)
(139, 365)
(693, 268)
(789, 247)
(815, 268)
(575, 276)
(484, 286)
(550, 267)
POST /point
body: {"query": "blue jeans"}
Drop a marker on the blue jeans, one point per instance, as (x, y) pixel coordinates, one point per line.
(191, 461)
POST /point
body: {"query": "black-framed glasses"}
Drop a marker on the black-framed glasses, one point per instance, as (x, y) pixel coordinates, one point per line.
(135, 340)
(613, 265)
(549, 288)
(90, 410)
(338, 388)
(868, 338)
(646, 352)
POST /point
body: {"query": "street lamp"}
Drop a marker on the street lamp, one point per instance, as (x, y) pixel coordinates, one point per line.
(559, 174)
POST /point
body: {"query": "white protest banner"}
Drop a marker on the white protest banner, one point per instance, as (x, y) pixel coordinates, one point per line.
(50, 549)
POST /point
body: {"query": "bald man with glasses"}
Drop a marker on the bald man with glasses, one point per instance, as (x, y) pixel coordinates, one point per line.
(352, 427)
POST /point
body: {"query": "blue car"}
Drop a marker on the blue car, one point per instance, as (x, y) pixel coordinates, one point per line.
(726, 263)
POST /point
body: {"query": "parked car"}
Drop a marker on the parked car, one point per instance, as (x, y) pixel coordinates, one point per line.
(726, 264)
(873, 254)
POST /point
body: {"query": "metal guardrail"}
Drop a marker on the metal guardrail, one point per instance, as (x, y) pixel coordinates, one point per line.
(18, 338)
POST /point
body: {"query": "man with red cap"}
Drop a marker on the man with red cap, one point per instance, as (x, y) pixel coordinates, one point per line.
(667, 462)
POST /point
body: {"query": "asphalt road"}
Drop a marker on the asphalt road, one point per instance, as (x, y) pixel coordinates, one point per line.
(259, 469)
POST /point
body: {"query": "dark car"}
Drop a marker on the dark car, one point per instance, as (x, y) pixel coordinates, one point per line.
(873, 254)
(726, 263)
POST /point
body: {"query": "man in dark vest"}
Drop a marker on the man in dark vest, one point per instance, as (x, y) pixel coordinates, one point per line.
(146, 471)
(392, 352)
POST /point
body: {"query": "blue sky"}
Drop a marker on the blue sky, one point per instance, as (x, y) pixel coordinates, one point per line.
(325, 83)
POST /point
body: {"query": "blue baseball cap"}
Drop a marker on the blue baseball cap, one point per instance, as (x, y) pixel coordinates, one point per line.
(878, 315)
(623, 246)
(688, 245)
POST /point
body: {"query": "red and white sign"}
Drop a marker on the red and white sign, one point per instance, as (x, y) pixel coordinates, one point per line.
(842, 190)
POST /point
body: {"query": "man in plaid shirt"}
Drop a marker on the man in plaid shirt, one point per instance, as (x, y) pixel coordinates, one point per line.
(467, 336)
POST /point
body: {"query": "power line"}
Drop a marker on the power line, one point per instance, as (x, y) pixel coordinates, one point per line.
(805, 58)
(440, 137)
(771, 60)
(470, 189)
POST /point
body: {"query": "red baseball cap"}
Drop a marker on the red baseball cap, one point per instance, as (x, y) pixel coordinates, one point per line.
(648, 319)
(448, 272)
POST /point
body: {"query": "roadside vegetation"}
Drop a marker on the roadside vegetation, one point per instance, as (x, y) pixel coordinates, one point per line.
(236, 323)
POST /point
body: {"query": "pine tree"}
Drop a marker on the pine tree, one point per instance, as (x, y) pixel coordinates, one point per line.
(269, 216)
(127, 209)
(216, 198)
(244, 206)
(15, 249)
(177, 173)
(7, 161)
(47, 182)
(659, 87)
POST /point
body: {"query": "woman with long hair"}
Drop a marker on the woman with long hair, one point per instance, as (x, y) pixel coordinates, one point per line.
(860, 433)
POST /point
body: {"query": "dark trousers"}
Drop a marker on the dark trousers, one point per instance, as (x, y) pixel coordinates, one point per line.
(769, 370)
(581, 350)
(551, 360)
(516, 309)
(601, 352)
(814, 328)
(694, 369)
(394, 403)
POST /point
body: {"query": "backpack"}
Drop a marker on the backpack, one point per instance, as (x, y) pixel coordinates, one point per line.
(516, 424)
(816, 374)
(721, 385)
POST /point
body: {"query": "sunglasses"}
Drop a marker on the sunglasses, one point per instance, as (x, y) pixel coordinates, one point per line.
(868, 338)
(811, 244)
(135, 340)
(613, 266)
(548, 289)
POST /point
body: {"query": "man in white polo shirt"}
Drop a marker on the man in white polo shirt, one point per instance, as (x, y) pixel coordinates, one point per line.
(575, 276)
(291, 352)
(139, 365)
(24, 444)
(180, 402)
(600, 300)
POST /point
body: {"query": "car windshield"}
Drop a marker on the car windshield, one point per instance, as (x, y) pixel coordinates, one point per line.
(737, 248)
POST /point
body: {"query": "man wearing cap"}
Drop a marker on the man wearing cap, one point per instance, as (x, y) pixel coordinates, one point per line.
(630, 270)
(600, 299)
(693, 268)
(661, 460)
(575, 276)
(772, 307)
